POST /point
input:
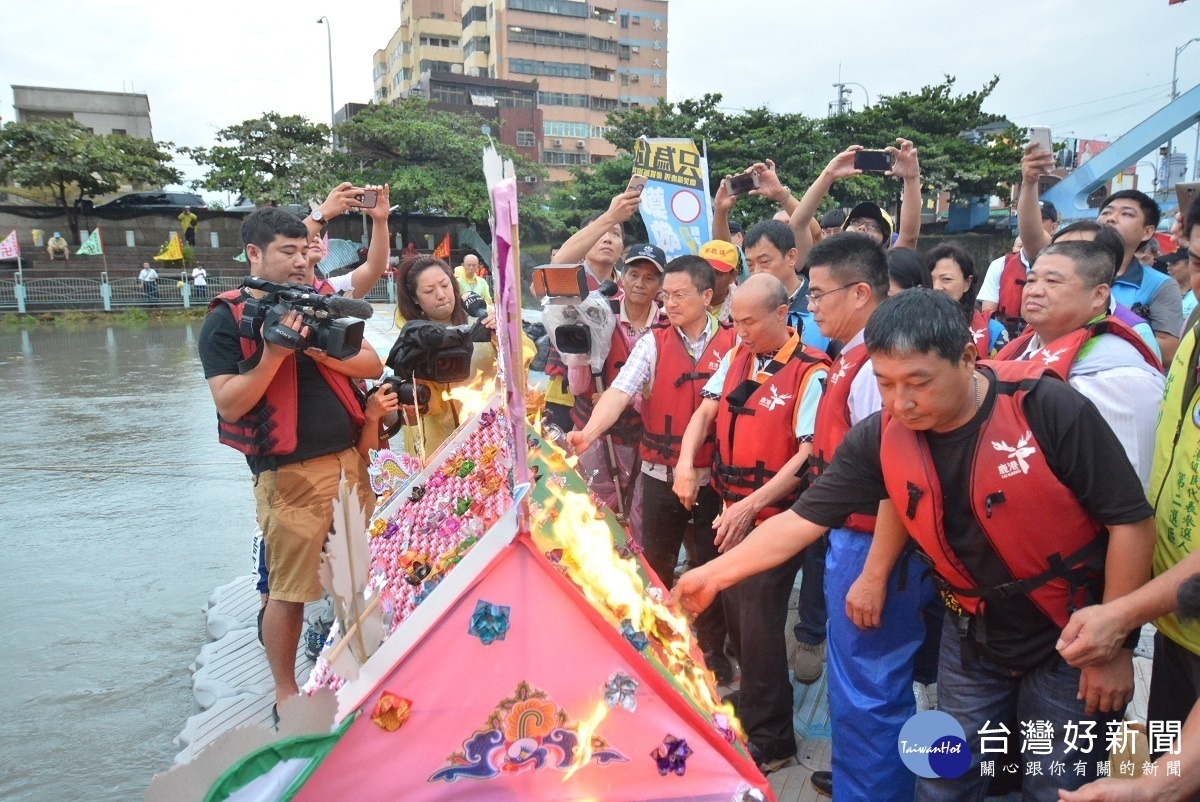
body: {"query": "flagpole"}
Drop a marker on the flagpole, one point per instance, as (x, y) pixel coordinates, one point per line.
(100, 242)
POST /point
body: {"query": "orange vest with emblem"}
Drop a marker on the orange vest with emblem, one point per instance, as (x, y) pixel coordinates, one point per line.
(833, 420)
(1013, 492)
(980, 333)
(269, 428)
(1058, 356)
(753, 419)
(675, 394)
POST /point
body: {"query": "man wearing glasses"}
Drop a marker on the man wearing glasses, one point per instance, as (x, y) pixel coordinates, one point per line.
(665, 372)
(870, 672)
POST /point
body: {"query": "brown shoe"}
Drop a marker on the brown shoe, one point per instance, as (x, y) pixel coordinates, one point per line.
(807, 662)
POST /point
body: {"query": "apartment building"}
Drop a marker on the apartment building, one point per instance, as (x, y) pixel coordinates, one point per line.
(125, 113)
(588, 59)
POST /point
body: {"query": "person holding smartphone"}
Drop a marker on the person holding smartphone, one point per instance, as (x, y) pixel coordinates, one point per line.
(866, 218)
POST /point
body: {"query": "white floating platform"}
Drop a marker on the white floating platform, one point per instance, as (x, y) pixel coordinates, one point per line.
(233, 606)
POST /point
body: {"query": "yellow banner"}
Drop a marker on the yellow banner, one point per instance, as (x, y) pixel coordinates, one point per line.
(675, 161)
(173, 253)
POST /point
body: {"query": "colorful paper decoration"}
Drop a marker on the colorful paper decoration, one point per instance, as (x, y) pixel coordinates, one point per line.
(672, 756)
(391, 711)
(637, 639)
(620, 690)
(489, 622)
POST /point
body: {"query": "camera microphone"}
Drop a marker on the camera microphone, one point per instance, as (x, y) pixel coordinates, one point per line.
(608, 289)
(350, 307)
(475, 305)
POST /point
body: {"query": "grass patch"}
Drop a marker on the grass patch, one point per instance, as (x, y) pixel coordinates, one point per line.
(69, 319)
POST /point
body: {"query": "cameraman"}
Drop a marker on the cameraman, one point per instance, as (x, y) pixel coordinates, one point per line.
(426, 290)
(296, 416)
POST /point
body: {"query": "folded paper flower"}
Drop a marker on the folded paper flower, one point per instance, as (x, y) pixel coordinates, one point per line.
(746, 793)
(637, 639)
(724, 726)
(489, 622)
(620, 690)
(465, 468)
(672, 756)
(391, 711)
(418, 493)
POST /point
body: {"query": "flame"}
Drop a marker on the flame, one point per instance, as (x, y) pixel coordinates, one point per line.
(612, 583)
(472, 396)
(583, 752)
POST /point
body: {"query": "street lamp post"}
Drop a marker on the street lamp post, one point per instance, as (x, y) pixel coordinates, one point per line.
(329, 41)
(865, 92)
(1175, 94)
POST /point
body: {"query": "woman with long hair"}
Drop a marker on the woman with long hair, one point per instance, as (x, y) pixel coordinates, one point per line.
(426, 290)
(953, 272)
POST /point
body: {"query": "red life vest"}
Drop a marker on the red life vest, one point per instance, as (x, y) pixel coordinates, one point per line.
(269, 428)
(628, 428)
(1012, 284)
(1058, 356)
(1013, 492)
(753, 418)
(675, 394)
(981, 334)
(833, 420)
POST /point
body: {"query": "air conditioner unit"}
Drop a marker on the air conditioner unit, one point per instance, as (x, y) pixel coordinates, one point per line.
(635, 49)
(579, 143)
(558, 143)
(530, 179)
(635, 78)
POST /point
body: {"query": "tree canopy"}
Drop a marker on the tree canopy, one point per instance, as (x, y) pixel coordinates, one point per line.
(271, 159)
(71, 163)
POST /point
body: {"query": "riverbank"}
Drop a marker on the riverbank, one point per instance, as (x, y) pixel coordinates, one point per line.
(12, 321)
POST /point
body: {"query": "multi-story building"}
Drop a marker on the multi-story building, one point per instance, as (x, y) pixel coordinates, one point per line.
(589, 59)
(125, 113)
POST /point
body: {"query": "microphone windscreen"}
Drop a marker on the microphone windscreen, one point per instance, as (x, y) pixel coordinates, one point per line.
(474, 304)
(350, 307)
(1188, 599)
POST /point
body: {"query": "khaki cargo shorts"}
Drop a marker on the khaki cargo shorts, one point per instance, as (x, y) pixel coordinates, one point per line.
(295, 512)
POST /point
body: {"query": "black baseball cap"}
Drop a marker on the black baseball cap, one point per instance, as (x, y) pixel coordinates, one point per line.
(647, 253)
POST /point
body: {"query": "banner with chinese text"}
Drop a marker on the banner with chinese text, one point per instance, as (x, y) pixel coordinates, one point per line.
(676, 205)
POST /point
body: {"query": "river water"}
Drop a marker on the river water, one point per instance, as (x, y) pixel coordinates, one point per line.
(121, 513)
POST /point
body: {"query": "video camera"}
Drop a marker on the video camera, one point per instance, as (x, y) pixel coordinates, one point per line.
(433, 352)
(330, 319)
(580, 323)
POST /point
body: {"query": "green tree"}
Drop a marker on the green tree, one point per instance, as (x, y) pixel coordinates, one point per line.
(71, 163)
(433, 160)
(271, 159)
(964, 150)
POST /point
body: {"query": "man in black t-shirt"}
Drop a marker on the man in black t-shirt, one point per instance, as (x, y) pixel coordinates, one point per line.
(296, 416)
(1021, 496)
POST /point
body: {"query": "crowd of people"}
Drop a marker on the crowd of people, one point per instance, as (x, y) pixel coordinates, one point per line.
(969, 468)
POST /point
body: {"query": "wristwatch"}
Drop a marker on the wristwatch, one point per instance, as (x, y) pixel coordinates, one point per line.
(316, 216)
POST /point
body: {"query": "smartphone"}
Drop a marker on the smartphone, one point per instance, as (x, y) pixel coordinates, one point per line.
(1040, 135)
(368, 199)
(636, 183)
(873, 161)
(741, 184)
(1186, 194)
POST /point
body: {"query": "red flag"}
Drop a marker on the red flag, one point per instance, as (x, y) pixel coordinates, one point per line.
(443, 251)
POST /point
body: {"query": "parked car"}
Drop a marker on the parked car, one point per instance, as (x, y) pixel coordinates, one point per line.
(155, 200)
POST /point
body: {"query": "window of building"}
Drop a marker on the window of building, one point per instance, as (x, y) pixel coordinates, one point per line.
(562, 99)
(636, 20)
(563, 8)
(537, 36)
(474, 14)
(623, 52)
(526, 138)
(550, 69)
(120, 132)
(565, 130)
(600, 74)
(438, 41)
(624, 79)
(559, 158)
(435, 66)
(604, 14)
(604, 103)
(624, 20)
(598, 131)
(603, 45)
(478, 44)
(454, 95)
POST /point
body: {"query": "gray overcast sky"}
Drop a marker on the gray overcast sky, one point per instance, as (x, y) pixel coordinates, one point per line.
(1087, 68)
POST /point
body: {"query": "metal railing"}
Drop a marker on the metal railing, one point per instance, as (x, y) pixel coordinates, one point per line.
(45, 294)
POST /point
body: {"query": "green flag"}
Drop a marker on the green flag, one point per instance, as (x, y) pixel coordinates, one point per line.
(241, 257)
(92, 247)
